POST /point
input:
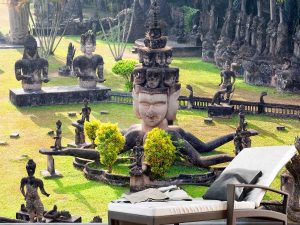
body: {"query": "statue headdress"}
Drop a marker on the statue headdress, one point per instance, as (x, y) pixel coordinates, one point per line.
(89, 36)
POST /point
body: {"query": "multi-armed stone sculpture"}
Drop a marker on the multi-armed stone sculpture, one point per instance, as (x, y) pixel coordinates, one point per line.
(155, 99)
(31, 69)
(88, 67)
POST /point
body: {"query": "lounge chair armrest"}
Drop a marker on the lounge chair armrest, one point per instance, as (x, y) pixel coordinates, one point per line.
(231, 195)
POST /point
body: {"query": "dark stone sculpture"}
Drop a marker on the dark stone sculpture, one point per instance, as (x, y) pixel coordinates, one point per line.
(67, 69)
(55, 215)
(31, 69)
(85, 111)
(242, 137)
(261, 105)
(58, 136)
(88, 67)
(79, 132)
(180, 37)
(227, 81)
(260, 37)
(34, 205)
(296, 51)
(190, 97)
(136, 167)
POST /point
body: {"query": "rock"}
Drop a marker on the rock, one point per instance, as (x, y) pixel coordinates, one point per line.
(104, 112)
(51, 132)
(3, 143)
(280, 128)
(15, 135)
(71, 114)
(208, 120)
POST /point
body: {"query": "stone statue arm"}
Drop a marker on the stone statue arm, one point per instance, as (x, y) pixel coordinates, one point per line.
(45, 72)
(41, 186)
(233, 78)
(22, 186)
(100, 73)
(19, 70)
(221, 82)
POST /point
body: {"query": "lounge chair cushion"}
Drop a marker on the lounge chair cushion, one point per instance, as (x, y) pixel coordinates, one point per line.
(175, 207)
(218, 190)
(270, 160)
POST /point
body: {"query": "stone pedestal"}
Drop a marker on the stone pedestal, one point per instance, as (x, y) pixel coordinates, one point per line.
(58, 95)
(222, 111)
(139, 183)
(50, 172)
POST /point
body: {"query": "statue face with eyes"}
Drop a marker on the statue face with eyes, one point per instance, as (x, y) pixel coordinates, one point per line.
(152, 109)
(88, 48)
(139, 76)
(153, 78)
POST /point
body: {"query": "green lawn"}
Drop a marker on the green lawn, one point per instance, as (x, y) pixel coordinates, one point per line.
(88, 198)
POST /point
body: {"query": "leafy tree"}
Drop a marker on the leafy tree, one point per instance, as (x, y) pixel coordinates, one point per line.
(159, 151)
(125, 68)
(90, 129)
(109, 142)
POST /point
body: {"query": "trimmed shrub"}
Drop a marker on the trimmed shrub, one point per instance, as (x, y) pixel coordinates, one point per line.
(189, 14)
(90, 129)
(125, 68)
(109, 142)
(159, 151)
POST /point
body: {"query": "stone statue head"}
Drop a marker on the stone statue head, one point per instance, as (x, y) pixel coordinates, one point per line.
(85, 102)
(30, 47)
(88, 42)
(139, 76)
(153, 78)
(58, 124)
(30, 167)
(171, 77)
(155, 106)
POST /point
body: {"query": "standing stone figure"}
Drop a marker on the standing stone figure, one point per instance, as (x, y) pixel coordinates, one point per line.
(227, 81)
(242, 138)
(85, 111)
(58, 136)
(136, 167)
(31, 69)
(88, 67)
(34, 205)
(66, 70)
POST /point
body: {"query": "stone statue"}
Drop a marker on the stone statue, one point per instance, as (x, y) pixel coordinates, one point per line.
(88, 67)
(57, 215)
(155, 101)
(136, 167)
(261, 37)
(58, 136)
(31, 69)
(227, 81)
(242, 138)
(85, 111)
(66, 70)
(190, 97)
(296, 51)
(34, 205)
(261, 105)
(79, 132)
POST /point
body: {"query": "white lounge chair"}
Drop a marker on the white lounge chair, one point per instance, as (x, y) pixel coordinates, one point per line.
(269, 160)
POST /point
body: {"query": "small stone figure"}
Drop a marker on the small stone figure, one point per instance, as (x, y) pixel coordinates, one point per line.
(88, 67)
(34, 205)
(261, 105)
(58, 136)
(136, 167)
(85, 111)
(79, 132)
(31, 69)
(227, 81)
(191, 96)
(242, 138)
(55, 214)
(66, 70)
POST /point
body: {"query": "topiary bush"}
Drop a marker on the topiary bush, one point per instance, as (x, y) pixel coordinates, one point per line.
(109, 142)
(90, 129)
(125, 68)
(159, 151)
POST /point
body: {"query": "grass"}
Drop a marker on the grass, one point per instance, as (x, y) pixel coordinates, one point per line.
(88, 198)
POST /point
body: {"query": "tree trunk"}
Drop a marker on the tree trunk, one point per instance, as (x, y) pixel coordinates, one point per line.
(281, 13)
(230, 3)
(243, 6)
(18, 21)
